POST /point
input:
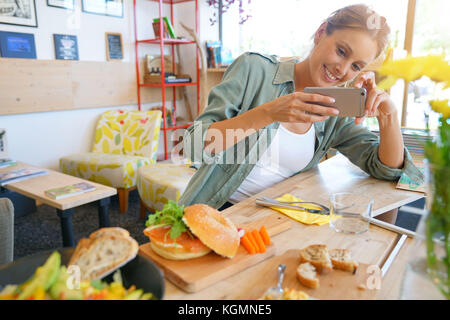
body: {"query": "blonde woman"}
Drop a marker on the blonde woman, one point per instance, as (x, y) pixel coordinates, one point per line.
(259, 117)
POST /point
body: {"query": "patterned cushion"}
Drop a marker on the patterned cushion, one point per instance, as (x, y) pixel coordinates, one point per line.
(124, 141)
(128, 132)
(161, 182)
(118, 171)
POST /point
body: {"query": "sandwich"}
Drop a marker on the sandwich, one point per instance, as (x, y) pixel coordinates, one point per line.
(180, 233)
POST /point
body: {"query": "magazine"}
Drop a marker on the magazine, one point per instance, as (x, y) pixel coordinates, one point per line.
(20, 174)
(70, 190)
(407, 184)
(7, 162)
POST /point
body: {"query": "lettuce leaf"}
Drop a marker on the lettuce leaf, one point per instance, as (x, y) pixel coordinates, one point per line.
(170, 215)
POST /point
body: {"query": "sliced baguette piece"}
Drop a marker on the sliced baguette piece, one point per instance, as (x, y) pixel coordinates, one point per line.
(113, 231)
(307, 275)
(318, 256)
(101, 256)
(342, 259)
(81, 248)
(83, 244)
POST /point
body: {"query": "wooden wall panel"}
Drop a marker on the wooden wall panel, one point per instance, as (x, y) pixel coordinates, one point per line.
(28, 86)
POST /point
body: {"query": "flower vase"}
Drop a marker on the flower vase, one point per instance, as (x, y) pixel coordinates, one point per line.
(437, 226)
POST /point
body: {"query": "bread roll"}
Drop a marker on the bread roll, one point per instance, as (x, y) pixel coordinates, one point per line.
(318, 256)
(306, 274)
(213, 229)
(342, 259)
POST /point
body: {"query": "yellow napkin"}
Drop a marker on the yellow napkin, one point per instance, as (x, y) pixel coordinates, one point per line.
(301, 215)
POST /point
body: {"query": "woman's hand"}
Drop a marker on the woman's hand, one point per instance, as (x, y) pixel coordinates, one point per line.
(378, 102)
(298, 107)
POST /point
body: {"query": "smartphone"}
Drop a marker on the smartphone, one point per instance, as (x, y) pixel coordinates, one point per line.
(351, 102)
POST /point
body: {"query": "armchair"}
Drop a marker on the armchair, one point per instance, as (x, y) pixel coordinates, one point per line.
(124, 141)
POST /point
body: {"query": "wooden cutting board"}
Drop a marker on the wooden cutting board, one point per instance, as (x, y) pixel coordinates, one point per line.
(195, 274)
(336, 285)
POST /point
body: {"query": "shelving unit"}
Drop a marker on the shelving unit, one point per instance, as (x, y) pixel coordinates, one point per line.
(161, 41)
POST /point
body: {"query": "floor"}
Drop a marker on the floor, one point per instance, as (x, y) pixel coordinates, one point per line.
(41, 230)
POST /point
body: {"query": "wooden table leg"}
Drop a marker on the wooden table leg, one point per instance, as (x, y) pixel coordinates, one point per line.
(142, 210)
(66, 227)
(103, 216)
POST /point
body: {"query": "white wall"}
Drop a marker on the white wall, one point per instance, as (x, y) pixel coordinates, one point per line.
(42, 138)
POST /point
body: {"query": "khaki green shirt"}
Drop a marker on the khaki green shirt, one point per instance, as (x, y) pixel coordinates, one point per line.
(250, 81)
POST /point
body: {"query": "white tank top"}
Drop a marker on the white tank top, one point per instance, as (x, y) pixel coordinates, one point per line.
(288, 153)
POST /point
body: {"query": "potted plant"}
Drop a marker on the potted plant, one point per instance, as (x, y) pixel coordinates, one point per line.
(436, 223)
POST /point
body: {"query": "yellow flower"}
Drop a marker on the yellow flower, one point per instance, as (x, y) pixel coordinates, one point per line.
(387, 83)
(411, 68)
(441, 106)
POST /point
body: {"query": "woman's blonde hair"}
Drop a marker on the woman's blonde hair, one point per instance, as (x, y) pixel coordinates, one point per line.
(360, 17)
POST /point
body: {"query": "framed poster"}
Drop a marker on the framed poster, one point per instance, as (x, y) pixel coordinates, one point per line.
(18, 12)
(113, 8)
(3, 144)
(17, 45)
(64, 4)
(114, 46)
(66, 47)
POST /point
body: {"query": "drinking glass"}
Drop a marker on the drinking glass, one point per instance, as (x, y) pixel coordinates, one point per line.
(350, 212)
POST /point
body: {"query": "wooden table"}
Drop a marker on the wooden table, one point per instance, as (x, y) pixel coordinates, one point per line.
(34, 188)
(334, 175)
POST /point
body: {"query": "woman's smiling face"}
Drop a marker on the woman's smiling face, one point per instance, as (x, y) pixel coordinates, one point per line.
(340, 56)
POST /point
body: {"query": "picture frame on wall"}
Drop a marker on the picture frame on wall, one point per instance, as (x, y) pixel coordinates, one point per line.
(18, 12)
(17, 45)
(114, 46)
(3, 144)
(112, 8)
(63, 4)
(66, 47)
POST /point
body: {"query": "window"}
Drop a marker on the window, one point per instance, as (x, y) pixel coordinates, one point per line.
(286, 28)
(431, 36)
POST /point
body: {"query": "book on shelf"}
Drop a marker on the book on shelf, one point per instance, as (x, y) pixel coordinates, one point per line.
(406, 183)
(20, 174)
(168, 25)
(6, 162)
(213, 51)
(69, 190)
(156, 78)
(415, 140)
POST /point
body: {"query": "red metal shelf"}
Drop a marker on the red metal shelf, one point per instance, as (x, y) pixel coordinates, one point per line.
(172, 1)
(162, 43)
(157, 85)
(177, 127)
(165, 41)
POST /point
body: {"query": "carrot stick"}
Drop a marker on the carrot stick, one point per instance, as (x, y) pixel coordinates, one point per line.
(265, 236)
(259, 241)
(253, 241)
(248, 245)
